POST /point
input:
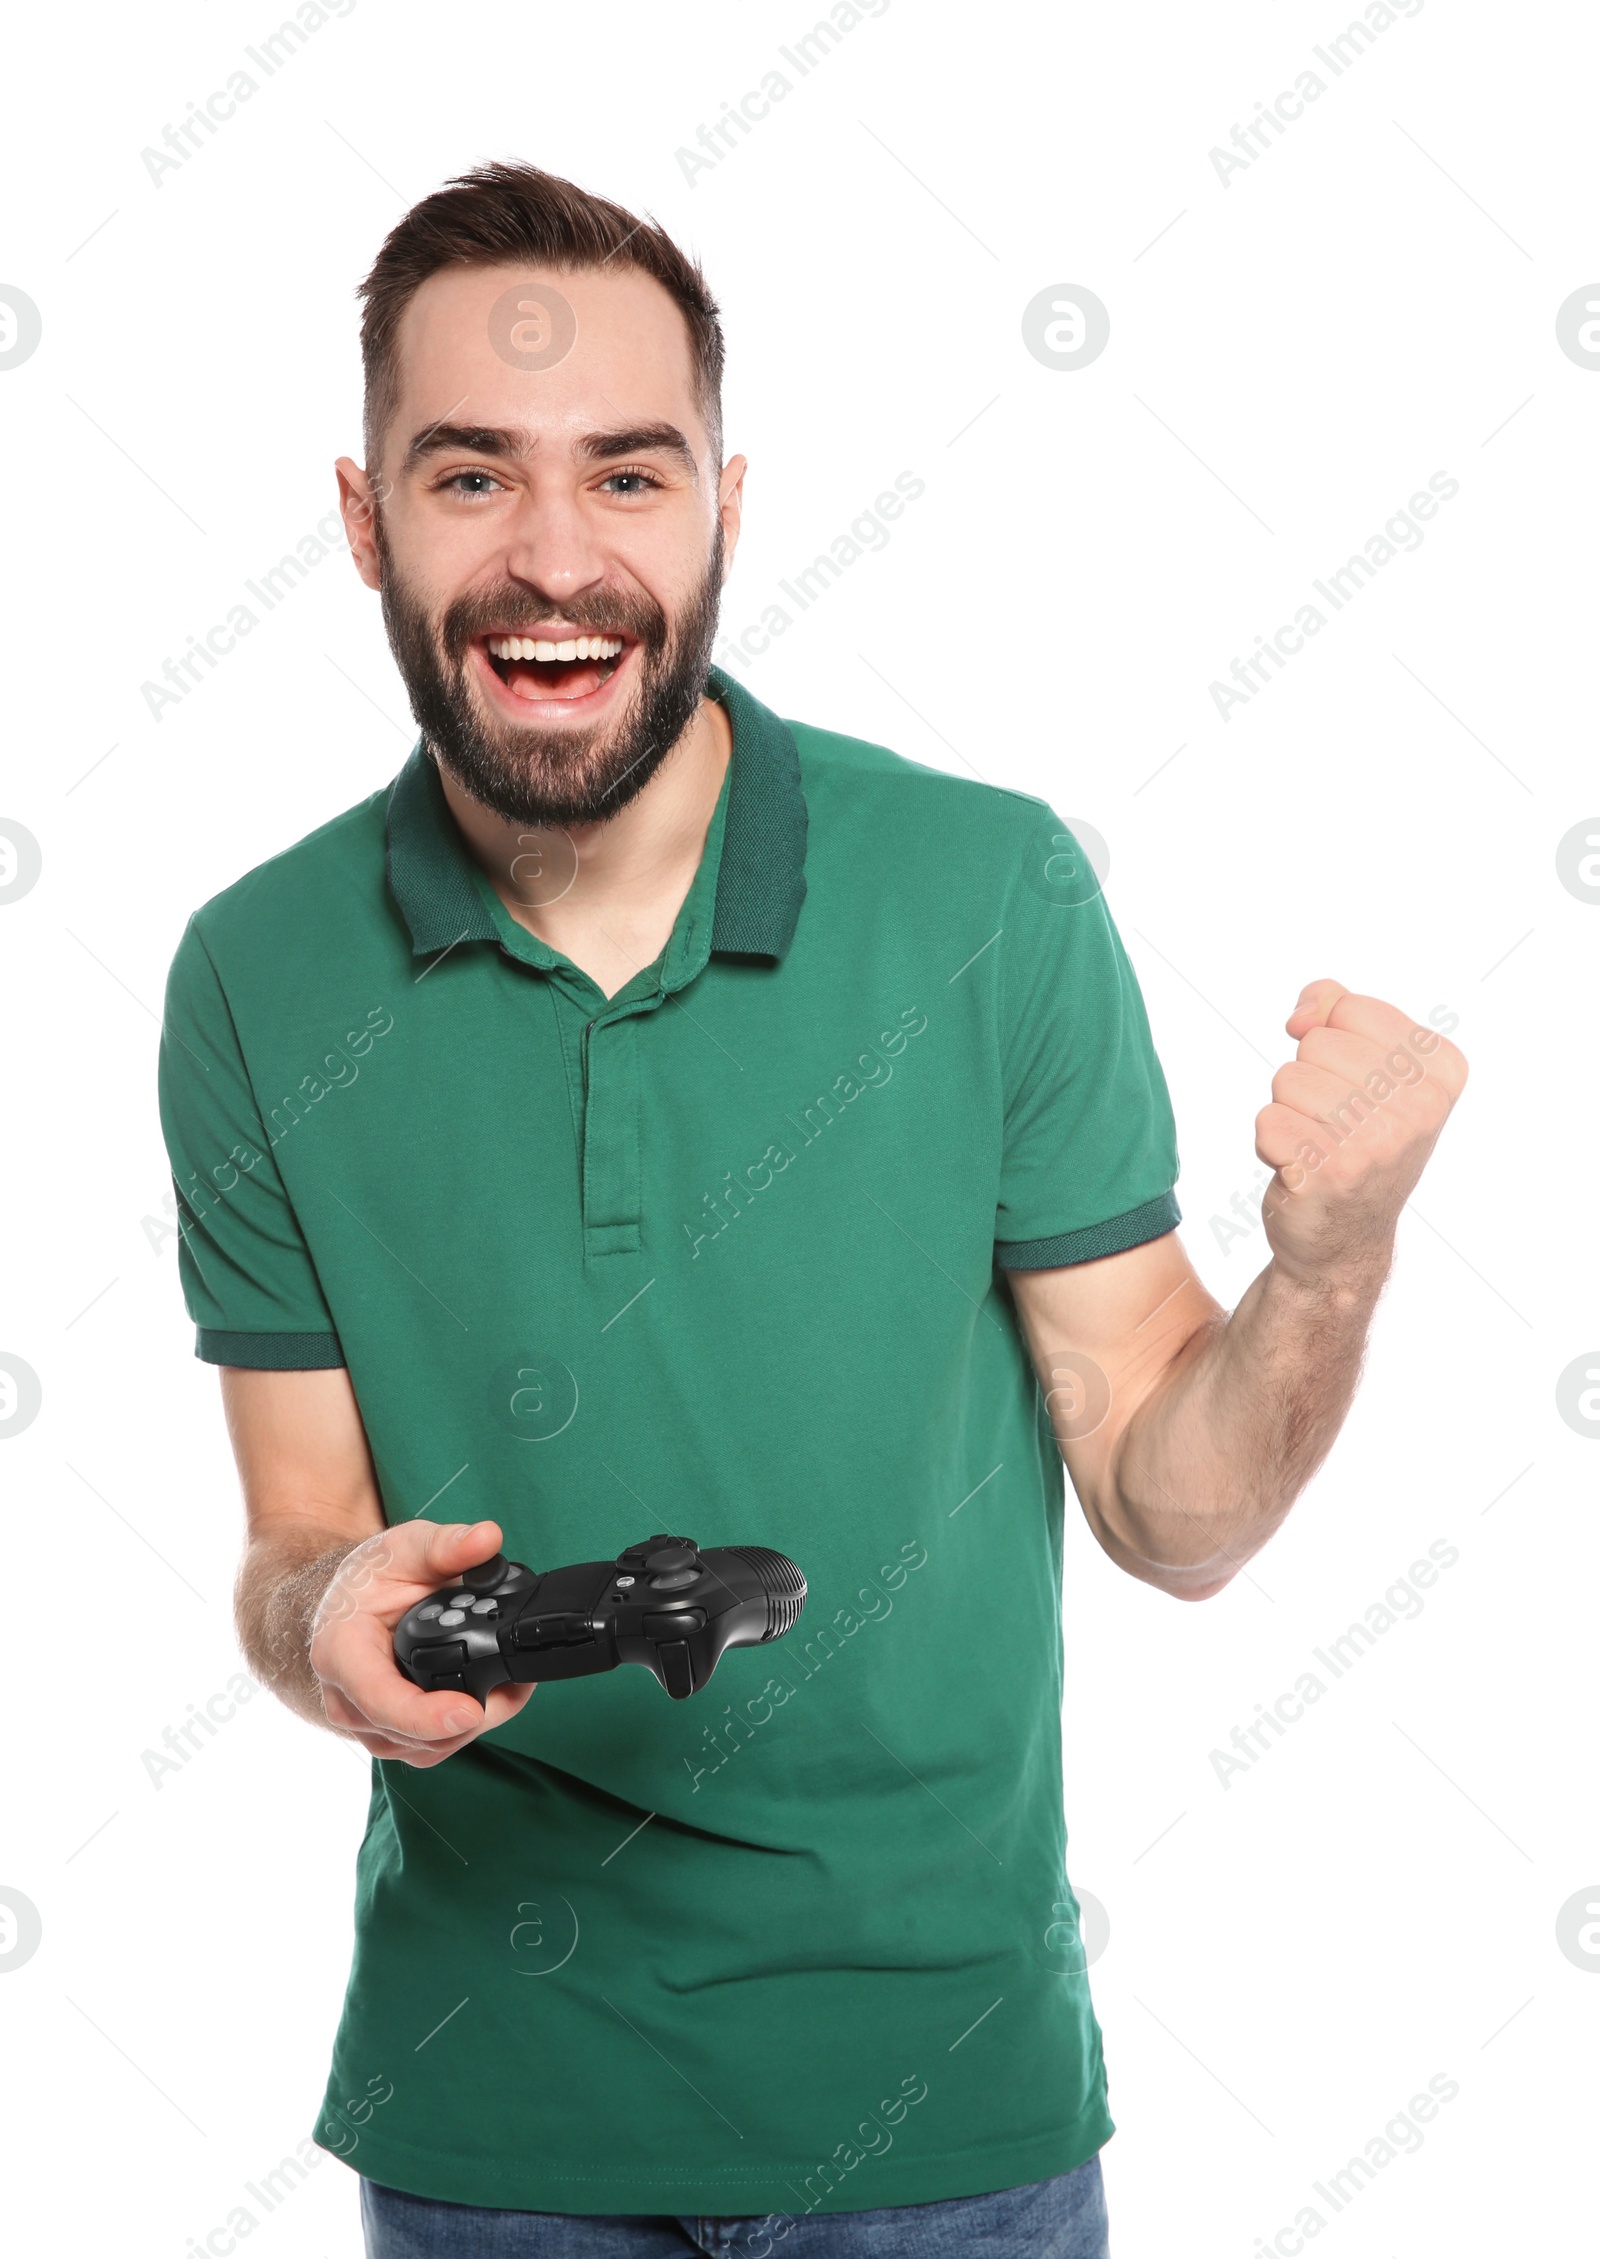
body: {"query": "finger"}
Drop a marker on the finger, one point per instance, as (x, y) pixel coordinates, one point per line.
(1284, 1135)
(462, 1545)
(391, 1571)
(504, 1702)
(1338, 1100)
(1365, 1015)
(1317, 1000)
(359, 1662)
(443, 1549)
(1358, 1057)
(353, 1725)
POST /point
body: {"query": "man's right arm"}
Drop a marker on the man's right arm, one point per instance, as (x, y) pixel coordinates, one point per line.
(324, 1580)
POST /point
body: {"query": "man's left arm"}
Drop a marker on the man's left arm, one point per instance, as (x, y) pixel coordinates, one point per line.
(1189, 1432)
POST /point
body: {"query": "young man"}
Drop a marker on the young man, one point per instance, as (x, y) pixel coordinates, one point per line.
(645, 1114)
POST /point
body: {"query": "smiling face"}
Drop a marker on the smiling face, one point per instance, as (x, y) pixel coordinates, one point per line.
(549, 544)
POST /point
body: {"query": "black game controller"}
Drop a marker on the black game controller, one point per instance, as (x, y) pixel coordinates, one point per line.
(664, 1604)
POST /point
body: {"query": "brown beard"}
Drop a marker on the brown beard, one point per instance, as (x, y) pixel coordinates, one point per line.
(537, 776)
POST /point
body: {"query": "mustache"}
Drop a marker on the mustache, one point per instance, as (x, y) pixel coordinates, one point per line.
(518, 611)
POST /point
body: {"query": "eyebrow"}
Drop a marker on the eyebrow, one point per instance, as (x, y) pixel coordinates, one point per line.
(512, 444)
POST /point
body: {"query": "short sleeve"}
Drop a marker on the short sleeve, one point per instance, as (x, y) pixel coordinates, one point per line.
(1090, 1153)
(248, 1279)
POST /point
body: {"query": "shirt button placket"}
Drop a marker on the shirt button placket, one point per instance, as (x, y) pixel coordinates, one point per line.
(611, 1197)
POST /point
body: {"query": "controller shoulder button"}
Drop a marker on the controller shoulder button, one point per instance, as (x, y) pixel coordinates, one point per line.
(673, 1623)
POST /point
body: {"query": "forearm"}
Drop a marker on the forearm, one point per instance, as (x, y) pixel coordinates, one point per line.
(280, 1586)
(1213, 1458)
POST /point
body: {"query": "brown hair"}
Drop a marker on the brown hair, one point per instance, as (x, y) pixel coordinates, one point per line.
(514, 214)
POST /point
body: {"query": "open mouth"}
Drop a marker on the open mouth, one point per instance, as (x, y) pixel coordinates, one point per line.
(537, 668)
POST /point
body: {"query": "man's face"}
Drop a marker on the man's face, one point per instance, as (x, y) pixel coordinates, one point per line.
(519, 513)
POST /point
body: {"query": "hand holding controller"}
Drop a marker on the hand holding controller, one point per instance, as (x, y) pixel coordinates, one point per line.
(663, 1604)
(351, 1648)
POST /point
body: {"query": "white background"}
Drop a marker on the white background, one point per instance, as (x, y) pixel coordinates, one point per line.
(1291, 355)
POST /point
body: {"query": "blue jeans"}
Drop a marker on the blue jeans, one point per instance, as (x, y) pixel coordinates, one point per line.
(1062, 2218)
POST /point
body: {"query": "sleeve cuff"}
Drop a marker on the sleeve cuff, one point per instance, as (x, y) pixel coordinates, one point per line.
(269, 1352)
(1110, 1238)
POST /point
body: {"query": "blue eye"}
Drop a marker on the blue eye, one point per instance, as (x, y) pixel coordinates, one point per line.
(641, 482)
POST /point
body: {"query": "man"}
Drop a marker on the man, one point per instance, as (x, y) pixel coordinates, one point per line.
(646, 1114)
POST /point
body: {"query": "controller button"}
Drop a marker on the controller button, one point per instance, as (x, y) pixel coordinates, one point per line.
(445, 1655)
(485, 1608)
(624, 1582)
(453, 1616)
(671, 1557)
(674, 1623)
(674, 1580)
(432, 1609)
(677, 1670)
(551, 1631)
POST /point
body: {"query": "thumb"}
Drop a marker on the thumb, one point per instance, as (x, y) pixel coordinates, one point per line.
(453, 1546)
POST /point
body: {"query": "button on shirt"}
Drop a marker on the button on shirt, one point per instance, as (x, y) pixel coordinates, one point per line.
(726, 1255)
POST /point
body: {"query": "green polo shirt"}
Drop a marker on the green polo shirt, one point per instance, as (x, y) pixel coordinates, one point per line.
(722, 1255)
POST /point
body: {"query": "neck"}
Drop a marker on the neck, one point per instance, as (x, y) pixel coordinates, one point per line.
(612, 910)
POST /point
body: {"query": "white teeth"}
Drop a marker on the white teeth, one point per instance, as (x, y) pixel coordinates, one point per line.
(571, 647)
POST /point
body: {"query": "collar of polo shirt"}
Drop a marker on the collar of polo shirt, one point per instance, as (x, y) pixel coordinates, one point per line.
(761, 880)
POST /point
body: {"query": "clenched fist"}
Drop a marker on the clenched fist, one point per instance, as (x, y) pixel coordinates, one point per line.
(1353, 1118)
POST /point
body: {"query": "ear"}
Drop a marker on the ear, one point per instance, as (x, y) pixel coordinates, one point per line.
(358, 505)
(730, 508)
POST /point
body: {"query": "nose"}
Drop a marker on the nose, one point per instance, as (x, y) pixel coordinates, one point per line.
(552, 547)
